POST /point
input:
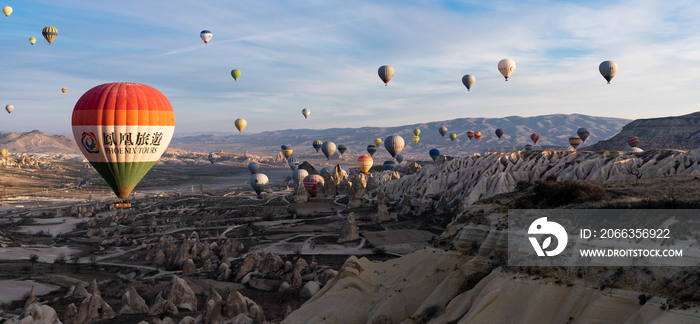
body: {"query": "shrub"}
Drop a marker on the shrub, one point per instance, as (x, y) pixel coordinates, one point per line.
(558, 193)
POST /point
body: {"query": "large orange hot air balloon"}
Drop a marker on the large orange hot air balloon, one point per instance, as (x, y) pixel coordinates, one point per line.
(123, 129)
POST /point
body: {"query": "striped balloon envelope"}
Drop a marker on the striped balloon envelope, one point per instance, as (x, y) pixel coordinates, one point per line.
(371, 149)
(342, 148)
(49, 33)
(633, 141)
(528, 147)
(470, 134)
(394, 145)
(311, 182)
(123, 129)
(575, 141)
(293, 163)
(477, 135)
(287, 151)
(365, 163)
(583, 133)
(317, 145)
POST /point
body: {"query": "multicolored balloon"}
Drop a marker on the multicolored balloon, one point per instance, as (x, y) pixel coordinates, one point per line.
(293, 163)
(399, 158)
(506, 67)
(206, 35)
(49, 34)
(443, 131)
(287, 151)
(583, 133)
(434, 154)
(311, 182)
(254, 167)
(394, 145)
(389, 165)
(306, 113)
(371, 149)
(575, 141)
(317, 145)
(535, 137)
(342, 148)
(528, 147)
(32, 40)
(123, 129)
(377, 141)
(365, 162)
(416, 139)
(9, 108)
(235, 74)
(468, 81)
(470, 134)
(386, 73)
(633, 141)
(453, 136)
(240, 124)
(328, 149)
(258, 182)
(477, 135)
(608, 69)
(499, 133)
(298, 175)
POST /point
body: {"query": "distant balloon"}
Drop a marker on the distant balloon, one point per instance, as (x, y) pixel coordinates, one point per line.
(324, 170)
(399, 158)
(377, 141)
(317, 145)
(287, 151)
(7, 10)
(453, 136)
(259, 182)
(64, 90)
(253, 167)
(364, 163)
(499, 133)
(371, 149)
(434, 153)
(49, 33)
(575, 141)
(235, 74)
(240, 124)
(468, 81)
(389, 165)
(535, 137)
(528, 147)
(311, 182)
(386, 73)
(32, 40)
(293, 162)
(583, 133)
(633, 141)
(328, 149)
(506, 67)
(306, 113)
(477, 135)
(394, 144)
(470, 134)
(443, 131)
(9, 108)
(213, 157)
(345, 169)
(416, 131)
(608, 69)
(298, 175)
(342, 148)
(3, 152)
(206, 35)
(416, 139)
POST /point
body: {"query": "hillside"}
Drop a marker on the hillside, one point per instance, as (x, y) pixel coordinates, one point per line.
(37, 142)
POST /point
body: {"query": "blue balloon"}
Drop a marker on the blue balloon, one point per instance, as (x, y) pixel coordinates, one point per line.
(399, 158)
(390, 165)
(434, 153)
(293, 162)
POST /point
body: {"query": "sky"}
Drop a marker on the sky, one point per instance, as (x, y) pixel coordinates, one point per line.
(324, 56)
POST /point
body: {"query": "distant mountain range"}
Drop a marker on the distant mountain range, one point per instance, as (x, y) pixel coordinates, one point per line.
(38, 142)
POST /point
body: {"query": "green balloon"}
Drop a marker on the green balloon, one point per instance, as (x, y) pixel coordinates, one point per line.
(453, 136)
(235, 74)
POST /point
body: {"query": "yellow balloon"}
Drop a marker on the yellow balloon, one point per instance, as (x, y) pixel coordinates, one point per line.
(3, 153)
(7, 10)
(377, 141)
(416, 139)
(240, 124)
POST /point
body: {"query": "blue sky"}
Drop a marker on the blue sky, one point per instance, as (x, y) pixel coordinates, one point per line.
(324, 55)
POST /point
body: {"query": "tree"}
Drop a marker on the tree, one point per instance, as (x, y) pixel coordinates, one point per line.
(32, 258)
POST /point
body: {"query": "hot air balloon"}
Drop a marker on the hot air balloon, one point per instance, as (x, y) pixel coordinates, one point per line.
(254, 167)
(416, 139)
(64, 90)
(49, 33)
(213, 157)
(240, 124)
(293, 163)
(371, 149)
(377, 141)
(306, 113)
(506, 67)
(3, 152)
(528, 147)
(389, 165)
(394, 144)
(499, 133)
(470, 134)
(633, 141)
(443, 131)
(608, 69)
(453, 136)
(32, 40)
(206, 35)
(399, 158)
(235, 74)
(364, 163)
(434, 153)
(298, 175)
(287, 151)
(259, 182)
(123, 129)
(311, 182)
(583, 133)
(386, 73)
(345, 169)
(324, 170)
(477, 135)
(7, 10)
(416, 131)
(317, 145)
(342, 148)
(575, 141)
(468, 81)
(535, 137)
(328, 149)
(9, 108)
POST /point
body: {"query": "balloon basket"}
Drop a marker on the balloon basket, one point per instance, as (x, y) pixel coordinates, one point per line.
(122, 204)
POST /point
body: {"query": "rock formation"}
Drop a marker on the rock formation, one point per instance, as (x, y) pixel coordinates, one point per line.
(132, 303)
(349, 231)
(188, 267)
(31, 299)
(357, 190)
(308, 167)
(79, 291)
(178, 294)
(382, 209)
